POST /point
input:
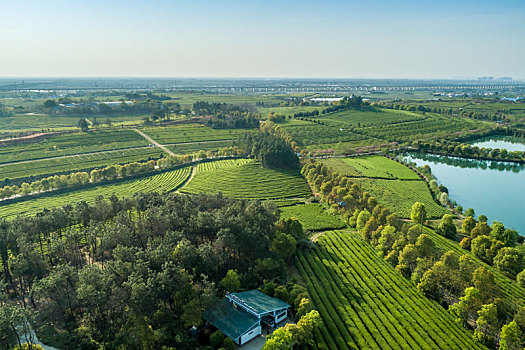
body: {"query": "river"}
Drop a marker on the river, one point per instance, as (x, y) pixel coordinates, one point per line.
(496, 189)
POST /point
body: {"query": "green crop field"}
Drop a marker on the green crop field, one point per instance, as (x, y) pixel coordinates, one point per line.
(373, 166)
(74, 143)
(432, 126)
(41, 121)
(313, 217)
(366, 304)
(190, 133)
(249, 181)
(307, 133)
(77, 162)
(371, 117)
(392, 184)
(400, 195)
(167, 181)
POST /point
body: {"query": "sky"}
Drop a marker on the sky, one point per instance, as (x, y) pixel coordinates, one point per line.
(250, 38)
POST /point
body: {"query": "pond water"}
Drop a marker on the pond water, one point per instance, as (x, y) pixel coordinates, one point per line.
(509, 143)
(496, 189)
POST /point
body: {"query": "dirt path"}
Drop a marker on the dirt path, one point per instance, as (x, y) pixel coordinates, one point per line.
(316, 236)
(193, 172)
(164, 148)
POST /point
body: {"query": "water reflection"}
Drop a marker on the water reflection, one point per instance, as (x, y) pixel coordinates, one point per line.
(496, 189)
(466, 162)
(509, 143)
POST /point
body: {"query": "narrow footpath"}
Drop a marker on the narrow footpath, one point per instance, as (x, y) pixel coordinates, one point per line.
(164, 148)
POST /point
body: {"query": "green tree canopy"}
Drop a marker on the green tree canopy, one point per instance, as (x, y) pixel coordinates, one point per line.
(231, 281)
(419, 213)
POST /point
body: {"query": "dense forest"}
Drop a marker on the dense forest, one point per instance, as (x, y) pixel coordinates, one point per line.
(138, 273)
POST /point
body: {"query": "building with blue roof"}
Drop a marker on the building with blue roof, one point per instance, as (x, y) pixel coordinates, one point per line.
(241, 316)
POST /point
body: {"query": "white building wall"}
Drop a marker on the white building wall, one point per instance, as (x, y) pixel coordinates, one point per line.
(282, 317)
(250, 335)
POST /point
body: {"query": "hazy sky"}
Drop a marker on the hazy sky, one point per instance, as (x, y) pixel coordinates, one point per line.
(346, 39)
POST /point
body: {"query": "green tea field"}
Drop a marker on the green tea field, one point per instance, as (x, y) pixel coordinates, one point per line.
(393, 184)
(248, 180)
(367, 304)
(167, 181)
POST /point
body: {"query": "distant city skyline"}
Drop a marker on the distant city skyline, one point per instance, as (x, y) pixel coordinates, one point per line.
(270, 39)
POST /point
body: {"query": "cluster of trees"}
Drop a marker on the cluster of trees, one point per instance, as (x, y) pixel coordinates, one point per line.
(291, 335)
(138, 272)
(110, 173)
(494, 245)
(279, 131)
(494, 117)
(439, 191)
(442, 276)
(235, 120)
(458, 149)
(4, 112)
(84, 107)
(271, 150)
(275, 118)
(203, 108)
(352, 102)
(306, 114)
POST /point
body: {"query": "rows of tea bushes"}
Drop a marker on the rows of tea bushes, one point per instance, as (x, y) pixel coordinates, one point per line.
(167, 181)
(365, 303)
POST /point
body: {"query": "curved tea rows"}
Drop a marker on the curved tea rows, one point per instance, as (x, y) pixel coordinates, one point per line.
(167, 181)
(250, 181)
(207, 166)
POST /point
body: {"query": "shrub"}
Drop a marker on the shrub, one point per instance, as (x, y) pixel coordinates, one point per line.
(217, 338)
(465, 243)
(228, 344)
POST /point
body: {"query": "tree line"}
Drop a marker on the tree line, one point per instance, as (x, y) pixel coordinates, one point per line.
(110, 173)
(453, 148)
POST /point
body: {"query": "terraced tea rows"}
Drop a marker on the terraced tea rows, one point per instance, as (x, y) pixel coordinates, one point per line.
(78, 162)
(74, 143)
(189, 147)
(167, 181)
(249, 181)
(218, 164)
(190, 133)
(366, 304)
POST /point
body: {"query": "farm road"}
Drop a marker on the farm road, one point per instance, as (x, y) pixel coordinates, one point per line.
(164, 148)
